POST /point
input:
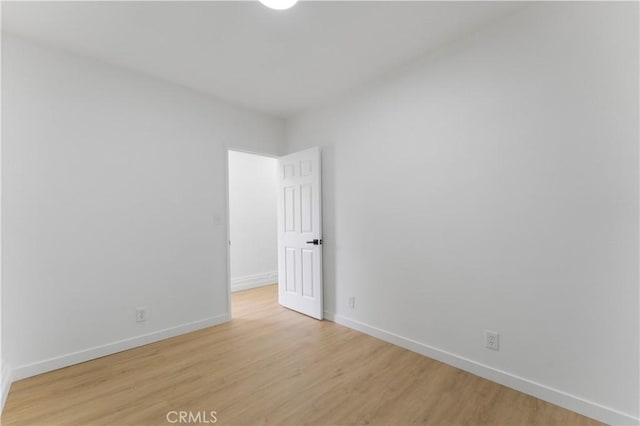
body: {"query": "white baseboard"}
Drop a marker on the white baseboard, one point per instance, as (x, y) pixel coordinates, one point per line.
(5, 382)
(66, 360)
(538, 390)
(252, 281)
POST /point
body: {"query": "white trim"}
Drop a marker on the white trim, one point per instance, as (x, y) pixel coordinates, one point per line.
(5, 382)
(253, 281)
(538, 390)
(66, 360)
(227, 227)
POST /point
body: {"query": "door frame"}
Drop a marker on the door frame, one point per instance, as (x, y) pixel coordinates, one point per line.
(227, 214)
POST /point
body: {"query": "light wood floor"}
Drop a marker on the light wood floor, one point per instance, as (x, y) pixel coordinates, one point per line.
(273, 366)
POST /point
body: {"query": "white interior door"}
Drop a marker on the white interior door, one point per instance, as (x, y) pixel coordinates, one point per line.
(300, 232)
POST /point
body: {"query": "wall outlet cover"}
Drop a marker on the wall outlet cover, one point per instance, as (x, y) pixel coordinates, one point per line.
(492, 340)
(141, 314)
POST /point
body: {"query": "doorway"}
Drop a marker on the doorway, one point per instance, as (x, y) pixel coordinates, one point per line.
(275, 227)
(253, 239)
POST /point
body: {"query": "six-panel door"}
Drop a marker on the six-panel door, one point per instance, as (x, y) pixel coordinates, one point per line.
(299, 224)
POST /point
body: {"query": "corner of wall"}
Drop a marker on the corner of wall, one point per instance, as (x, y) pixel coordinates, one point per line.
(5, 383)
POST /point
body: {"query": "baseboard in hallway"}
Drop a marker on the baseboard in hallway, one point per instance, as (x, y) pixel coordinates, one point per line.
(248, 282)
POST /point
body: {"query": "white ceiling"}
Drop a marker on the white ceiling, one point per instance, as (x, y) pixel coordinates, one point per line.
(279, 62)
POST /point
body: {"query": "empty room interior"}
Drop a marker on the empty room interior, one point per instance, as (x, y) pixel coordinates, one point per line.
(283, 212)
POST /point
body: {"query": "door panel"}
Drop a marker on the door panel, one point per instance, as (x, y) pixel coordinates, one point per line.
(290, 269)
(306, 207)
(289, 209)
(300, 232)
(307, 273)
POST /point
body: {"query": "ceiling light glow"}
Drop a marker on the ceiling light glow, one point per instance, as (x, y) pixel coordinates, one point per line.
(279, 4)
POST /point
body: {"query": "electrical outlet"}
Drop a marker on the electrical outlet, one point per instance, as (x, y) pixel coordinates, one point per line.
(352, 302)
(141, 314)
(492, 340)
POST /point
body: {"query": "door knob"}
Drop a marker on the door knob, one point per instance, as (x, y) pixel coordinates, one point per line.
(315, 242)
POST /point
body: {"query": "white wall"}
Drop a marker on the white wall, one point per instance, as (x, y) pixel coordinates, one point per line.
(114, 197)
(494, 185)
(5, 376)
(253, 220)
